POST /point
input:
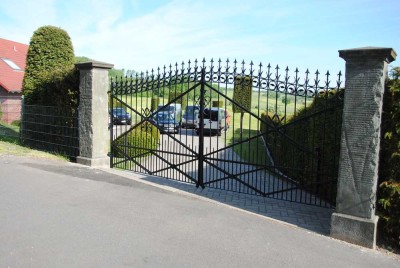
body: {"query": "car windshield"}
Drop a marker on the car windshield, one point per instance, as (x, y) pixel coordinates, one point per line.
(211, 114)
(119, 111)
(191, 110)
(164, 117)
(191, 115)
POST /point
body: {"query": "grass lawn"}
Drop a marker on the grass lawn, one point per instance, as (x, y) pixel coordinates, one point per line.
(10, 145)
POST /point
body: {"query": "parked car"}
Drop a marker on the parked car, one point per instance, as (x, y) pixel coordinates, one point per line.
(120, 116)
(190, 116)
(214, 121)
(173, 108)
(166, 122)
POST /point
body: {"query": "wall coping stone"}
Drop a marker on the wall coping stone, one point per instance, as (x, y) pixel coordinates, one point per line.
(94, 64)
(389, 54)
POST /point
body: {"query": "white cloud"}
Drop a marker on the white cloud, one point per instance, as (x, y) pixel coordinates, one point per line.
(134, 34)
(173, 33)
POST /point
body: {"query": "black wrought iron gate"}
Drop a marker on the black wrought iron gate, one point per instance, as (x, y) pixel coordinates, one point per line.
(231, 126)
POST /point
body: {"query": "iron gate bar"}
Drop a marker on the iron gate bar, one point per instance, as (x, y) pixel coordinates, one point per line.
(201, 157)
(170, 165)
(129, 158)
(233, 176)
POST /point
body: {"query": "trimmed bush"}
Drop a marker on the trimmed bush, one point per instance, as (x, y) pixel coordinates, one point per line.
(137, 143)
(389, 208)
(389, 162)
(306, 147)
(16, 123)
(182, 100)
(154, 103)
(50, 78)
(219, 104)
(152, 130)
(242, 93)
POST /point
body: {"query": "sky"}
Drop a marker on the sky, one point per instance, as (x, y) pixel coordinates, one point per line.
(142, 35)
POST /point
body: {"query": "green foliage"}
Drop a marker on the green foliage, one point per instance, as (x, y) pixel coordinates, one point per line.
(389, 208)
(389, 162)
(242, 93)
(58, 88)
(80, 59)
(154, 103)
(16, 123)
(219, 104)
(390, 142)
(137, 143)
(286, 100)
(182, 99)
(50, 55)
(111, 73)
(116, 72)
(152, 130)
(306, 147)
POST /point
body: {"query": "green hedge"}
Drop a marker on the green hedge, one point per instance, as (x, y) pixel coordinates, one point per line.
(138, 142)
(306, 147)
(389, 212)
(217, 103)
(389, 172)
(50, 78)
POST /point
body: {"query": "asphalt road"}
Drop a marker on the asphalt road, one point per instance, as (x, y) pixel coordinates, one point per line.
(56, 214)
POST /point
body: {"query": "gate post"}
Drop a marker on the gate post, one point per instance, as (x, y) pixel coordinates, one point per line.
(93, 114)
(354, 220)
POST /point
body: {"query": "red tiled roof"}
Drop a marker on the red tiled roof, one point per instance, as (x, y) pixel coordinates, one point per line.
(10, 79)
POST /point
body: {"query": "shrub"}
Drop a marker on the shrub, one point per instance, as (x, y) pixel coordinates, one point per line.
(16, 123)
(390, 140)
(152, 130)
(182, 100)
(219, 104)
(49, 77)
(154, 103)
(389, 173)
(137, 143)
(389, 208)
(242, 93)
(306, 147)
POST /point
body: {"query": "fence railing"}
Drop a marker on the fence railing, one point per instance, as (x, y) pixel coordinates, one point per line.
(51, 129)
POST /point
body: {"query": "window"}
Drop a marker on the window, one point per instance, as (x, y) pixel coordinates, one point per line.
(11, 64)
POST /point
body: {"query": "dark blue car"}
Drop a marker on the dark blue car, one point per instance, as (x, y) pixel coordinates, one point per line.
(166, 122)
(121, 117)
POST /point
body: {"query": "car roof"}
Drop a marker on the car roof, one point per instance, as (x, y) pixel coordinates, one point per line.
(215, 109)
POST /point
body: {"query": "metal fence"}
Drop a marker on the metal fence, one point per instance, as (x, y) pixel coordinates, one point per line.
(277, 134)
(51, 129)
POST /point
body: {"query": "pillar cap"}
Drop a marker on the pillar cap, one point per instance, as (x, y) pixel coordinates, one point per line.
(94, 64)
(387, 54)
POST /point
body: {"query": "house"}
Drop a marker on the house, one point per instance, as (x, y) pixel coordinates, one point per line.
(12, 66)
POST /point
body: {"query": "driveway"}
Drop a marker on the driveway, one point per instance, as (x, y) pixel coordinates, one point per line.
(57, 214)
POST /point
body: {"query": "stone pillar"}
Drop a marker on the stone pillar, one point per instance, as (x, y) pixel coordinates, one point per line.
(93, 114)
(354, 220)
